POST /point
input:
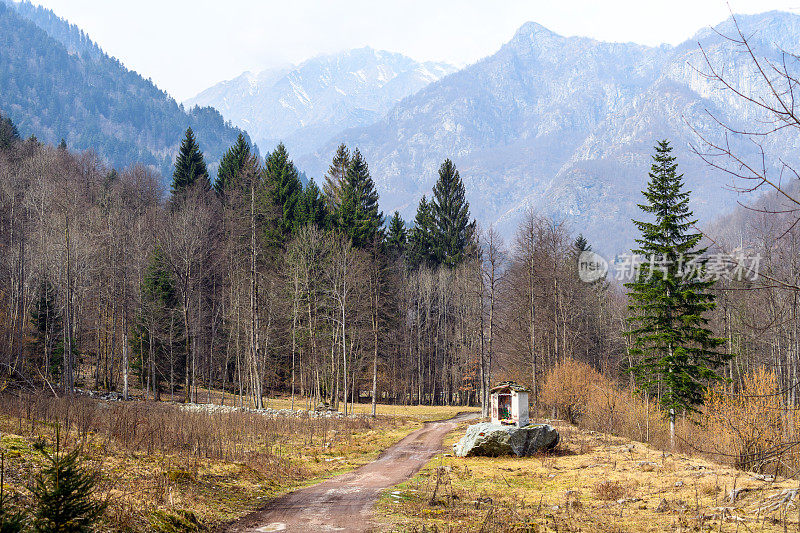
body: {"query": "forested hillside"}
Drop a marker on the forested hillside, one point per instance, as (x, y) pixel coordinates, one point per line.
(55, 83)
(247, 281)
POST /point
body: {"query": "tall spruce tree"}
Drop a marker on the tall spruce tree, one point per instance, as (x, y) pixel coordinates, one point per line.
(358, 216)
(312, 208)
(670, 295)
(232, 164)
(335, 178)
(453, 233)
(396, 237)
(190, 167)
(283, 183)
(420, 237)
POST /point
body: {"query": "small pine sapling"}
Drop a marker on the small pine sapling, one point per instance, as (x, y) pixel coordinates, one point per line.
(63, 496)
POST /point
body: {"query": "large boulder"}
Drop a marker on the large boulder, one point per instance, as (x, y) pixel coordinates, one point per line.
(492, 440)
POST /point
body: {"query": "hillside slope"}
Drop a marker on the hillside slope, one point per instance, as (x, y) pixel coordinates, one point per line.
(56, 83)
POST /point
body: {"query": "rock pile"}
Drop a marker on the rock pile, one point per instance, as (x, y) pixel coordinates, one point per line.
(323, 410)
(298, 413)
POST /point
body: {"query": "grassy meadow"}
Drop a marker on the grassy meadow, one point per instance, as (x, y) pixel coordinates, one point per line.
(165, 468)
(591, 482)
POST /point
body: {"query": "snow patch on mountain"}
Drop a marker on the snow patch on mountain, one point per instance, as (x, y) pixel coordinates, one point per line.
(305, 105)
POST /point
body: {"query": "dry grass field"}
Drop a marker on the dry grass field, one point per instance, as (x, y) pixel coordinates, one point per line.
(592, 482)
(165, 468)
(168, 469)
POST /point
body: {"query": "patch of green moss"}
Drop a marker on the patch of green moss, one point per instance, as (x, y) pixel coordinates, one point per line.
(179, 476)
(179, 521)
(14, 446)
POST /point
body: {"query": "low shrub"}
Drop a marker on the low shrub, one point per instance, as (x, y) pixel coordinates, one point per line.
(567, 387)
(581, 395)
(609, 490)
(63, 494)
(753, 427)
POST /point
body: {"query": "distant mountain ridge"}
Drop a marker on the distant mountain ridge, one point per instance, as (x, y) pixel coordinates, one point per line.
(566, 126)
(56, 83)
(303, 106)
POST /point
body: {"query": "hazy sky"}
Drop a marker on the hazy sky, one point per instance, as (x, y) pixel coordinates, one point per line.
(188, 45)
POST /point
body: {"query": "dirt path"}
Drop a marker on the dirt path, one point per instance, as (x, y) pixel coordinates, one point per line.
(344, 503)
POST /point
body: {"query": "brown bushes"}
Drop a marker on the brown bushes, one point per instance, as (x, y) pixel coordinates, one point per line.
(567, 387)
(170, 429)
(753, 429)
(580, 394)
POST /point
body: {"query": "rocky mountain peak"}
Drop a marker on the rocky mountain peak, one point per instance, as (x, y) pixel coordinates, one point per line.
(563, 125)
(306, 104)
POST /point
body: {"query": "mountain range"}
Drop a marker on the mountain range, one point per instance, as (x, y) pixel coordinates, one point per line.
(305, 105)
(566, 126)
(55, 83)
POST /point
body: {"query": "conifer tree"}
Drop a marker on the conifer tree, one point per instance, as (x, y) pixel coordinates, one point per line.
(358, 216)
(283, 183)
(312, 208)
(335, 178)
(397, 236)
(670, 296)
(453, 233)
(420, 237)
(62, 494)
(190, 167)
(159, 299)
(581, 244)
(8, 132)
(232, 165)
(111, 178)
